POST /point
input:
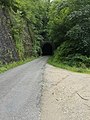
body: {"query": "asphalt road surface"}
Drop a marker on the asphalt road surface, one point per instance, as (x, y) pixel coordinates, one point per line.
(20, 91)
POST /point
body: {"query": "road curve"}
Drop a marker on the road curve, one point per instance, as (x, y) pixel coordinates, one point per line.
(20, 91)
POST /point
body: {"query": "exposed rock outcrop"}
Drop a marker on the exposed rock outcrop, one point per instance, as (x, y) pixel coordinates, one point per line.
(7, 46)
(14, 45)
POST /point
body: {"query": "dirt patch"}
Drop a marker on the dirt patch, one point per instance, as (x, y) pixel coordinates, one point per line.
(66, 95)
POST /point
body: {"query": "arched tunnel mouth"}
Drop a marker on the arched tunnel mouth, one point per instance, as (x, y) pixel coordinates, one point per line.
(47, 49)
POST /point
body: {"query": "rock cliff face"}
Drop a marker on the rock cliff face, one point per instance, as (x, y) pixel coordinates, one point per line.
(8, 48)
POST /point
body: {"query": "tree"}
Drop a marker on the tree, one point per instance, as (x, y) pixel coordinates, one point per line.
(70, 20)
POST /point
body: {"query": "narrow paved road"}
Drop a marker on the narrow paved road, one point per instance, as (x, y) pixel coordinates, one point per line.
(20, 91)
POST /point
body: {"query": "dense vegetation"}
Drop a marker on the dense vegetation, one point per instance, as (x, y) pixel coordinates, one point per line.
(31, 16)
(69, 27)
(64, 22)
(26, 22)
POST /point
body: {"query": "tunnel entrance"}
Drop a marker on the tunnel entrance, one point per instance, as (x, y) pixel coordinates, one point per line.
(47, 49)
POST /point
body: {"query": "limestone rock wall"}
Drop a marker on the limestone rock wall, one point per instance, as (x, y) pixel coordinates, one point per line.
(14, 45)
(7, 46)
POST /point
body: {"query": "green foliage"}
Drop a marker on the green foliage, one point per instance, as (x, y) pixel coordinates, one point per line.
(6, 67)
(69, 54)
(57, 26)
(17, 31)
(70, 20)
(28, 24)
(7, 3)
(35, 13)
(82, 69)
(69, 27)
(65, 22)
(78, 61)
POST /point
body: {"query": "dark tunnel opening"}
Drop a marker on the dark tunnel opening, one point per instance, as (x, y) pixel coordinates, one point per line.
(47, 49)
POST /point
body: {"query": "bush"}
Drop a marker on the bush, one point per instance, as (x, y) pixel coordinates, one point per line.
(67, 54)
(78, 60)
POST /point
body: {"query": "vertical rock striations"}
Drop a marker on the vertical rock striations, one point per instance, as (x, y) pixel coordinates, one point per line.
(15, 37)
(7, 46)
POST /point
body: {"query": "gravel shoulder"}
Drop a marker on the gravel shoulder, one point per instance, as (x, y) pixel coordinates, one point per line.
(66, 95)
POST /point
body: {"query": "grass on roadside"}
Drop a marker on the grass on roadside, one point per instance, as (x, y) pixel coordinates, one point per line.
(4, 68)
(67, 67)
